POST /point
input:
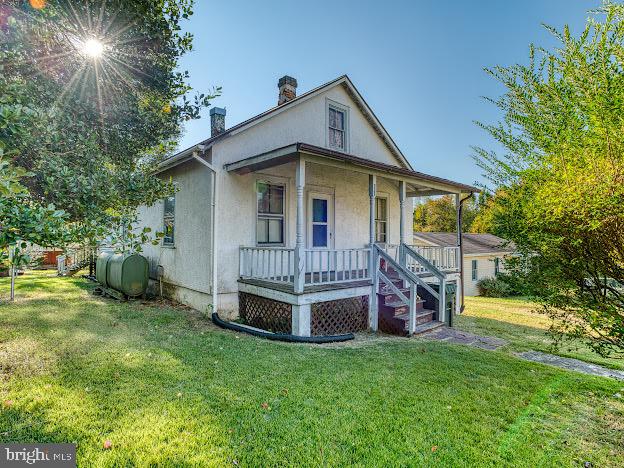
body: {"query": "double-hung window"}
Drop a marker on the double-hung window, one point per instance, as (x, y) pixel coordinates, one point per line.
(475, 271)
(496, 266)
(169, 221)
(270, 222)
(337, 128)
(381, 220)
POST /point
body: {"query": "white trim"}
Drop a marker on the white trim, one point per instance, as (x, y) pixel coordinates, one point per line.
(271, 180)
(330, 218)
(331, 104)
(383, 196)
(305, 298)
(169, 245)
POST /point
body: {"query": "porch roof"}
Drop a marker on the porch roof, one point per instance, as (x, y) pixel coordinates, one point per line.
(422, 184)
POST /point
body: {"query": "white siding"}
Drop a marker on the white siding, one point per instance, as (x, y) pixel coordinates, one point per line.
(485, 269)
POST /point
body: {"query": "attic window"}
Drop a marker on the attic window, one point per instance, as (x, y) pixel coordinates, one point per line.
(337, 123)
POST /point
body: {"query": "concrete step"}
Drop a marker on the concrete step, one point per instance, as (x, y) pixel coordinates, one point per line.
(424, 316)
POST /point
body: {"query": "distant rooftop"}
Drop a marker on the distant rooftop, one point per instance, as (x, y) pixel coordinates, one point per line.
(472, 243)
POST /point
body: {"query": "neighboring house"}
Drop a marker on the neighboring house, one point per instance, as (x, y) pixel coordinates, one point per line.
(295, 218)
(484, 254)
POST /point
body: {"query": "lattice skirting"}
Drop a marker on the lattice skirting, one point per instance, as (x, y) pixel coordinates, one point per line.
(264, 313)
(340, 316)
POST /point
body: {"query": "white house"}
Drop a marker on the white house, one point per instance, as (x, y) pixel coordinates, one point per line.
(298, 219)
(484, 254)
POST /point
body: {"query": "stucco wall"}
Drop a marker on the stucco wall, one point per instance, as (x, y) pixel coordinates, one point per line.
(305, 122)
(237, 217)
(187, 264)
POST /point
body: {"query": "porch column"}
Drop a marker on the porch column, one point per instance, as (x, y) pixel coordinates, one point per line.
(301, 324)
(402, 213)
(372, 193)
(460, 259)
(299, 242)
(372, 267)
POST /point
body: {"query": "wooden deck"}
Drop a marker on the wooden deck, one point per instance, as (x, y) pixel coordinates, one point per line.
(308, 288)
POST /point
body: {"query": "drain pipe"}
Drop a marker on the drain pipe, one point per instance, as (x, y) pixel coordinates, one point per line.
(213, 222)
(461, 248)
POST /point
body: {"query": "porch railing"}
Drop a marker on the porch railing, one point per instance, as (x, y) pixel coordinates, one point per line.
(324, 266)
(268, 264)
(336, 265)
(443, 258)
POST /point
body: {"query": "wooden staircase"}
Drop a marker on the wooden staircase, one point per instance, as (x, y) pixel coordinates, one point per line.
(393, 312)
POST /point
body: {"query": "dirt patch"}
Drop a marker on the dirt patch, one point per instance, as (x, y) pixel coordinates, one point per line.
(24, 357)
(452, 335)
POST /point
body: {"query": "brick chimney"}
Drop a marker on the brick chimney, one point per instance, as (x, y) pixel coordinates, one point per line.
(287, 89)
(217, 121)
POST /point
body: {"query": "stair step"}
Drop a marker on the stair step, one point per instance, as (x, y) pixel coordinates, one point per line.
(427, 326)
(421, 318)
(388, 291)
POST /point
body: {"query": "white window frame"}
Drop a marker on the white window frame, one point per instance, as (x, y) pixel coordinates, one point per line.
(330, 219)
(164, 242)
(382, 197)
(329, 104)
(284, 216)
(474, 268)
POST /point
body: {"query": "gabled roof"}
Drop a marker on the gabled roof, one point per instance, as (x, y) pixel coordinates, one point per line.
(343, 80)
(472, 243)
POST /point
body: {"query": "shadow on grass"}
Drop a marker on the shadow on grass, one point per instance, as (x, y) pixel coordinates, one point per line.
(167, 388)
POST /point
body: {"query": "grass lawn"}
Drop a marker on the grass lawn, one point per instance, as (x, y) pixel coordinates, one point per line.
(166, 387)
(515, 320)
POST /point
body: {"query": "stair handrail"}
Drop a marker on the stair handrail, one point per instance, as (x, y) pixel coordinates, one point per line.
(422, 260)
(396, 291)
(402, 270)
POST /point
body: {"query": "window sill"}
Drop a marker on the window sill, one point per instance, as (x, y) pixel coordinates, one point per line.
(168, 246)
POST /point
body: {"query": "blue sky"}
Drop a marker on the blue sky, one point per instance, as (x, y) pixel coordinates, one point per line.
(419, 64)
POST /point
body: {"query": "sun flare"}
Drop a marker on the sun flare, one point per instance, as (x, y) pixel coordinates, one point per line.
(93, 48)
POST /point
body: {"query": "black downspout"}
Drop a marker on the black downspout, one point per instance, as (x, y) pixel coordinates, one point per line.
(461, 250)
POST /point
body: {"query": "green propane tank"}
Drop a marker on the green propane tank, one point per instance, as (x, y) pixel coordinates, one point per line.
(128, 273)
(101, 268)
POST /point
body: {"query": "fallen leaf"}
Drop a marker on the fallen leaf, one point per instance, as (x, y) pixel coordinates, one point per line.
(265, 406)
(107, 444)
(434, 448)
(8, 403)
(179, 394)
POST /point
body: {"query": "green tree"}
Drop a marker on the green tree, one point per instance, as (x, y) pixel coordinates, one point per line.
(440, 215)
(89, 127)
(560, 183)
(91, 98)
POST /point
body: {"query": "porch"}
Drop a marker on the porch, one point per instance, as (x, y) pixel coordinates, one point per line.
(326, 267)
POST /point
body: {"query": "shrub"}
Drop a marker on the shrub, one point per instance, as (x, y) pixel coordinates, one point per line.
(494, 287)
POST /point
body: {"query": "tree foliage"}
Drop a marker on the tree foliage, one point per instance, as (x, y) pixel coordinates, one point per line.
(80, 134)
(440, 214)
(560, 182)
(89, 130)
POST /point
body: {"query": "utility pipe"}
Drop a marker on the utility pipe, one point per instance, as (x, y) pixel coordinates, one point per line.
(280, 336)
(213, 222)
(461, 249)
